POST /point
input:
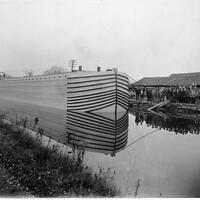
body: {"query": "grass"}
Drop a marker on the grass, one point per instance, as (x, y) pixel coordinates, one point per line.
(7, 187)
(44, 172)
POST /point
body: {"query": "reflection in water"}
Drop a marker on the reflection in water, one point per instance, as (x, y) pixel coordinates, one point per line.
(168, 122)
(103, 132)
(167, 165)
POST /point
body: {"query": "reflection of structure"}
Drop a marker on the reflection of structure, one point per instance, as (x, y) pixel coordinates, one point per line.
(169, 122)
(97, 132)
(49, 97)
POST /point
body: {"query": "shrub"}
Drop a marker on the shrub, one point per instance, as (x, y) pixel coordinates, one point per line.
(44, 172)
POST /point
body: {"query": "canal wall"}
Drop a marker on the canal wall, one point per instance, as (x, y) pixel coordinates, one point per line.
(140, 105)
(172, 107)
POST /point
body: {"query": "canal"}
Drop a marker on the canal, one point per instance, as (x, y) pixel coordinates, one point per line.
(161, 158)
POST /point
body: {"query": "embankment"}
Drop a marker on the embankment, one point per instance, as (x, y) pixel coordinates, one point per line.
(44, 172)
(179, 108)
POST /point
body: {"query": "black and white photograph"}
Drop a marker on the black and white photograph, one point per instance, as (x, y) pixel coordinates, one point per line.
(99, 98)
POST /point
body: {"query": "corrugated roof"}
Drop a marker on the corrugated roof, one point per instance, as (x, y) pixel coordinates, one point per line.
(151, 81)
(192, 74)
(173, 79)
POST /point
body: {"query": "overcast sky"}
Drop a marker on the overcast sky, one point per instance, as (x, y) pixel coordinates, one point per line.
(139, 37)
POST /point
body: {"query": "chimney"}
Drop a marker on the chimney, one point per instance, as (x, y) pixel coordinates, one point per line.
(80, 68)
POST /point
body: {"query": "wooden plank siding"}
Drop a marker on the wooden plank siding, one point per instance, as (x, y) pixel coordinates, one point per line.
(56, 99)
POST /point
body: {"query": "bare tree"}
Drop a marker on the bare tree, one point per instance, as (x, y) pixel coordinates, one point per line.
(54, 70)
(28, 72)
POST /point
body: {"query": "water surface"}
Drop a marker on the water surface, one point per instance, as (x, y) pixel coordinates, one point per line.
(162, 155)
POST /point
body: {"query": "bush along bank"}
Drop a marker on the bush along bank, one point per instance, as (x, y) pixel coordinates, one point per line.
(44, 172)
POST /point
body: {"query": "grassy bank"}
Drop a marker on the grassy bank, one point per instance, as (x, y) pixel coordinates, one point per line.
(7, 188)
(45, 173)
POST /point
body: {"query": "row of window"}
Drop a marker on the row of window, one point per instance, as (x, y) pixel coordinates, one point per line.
(35, 78)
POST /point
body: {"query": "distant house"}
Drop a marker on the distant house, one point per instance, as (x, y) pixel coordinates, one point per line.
(172, 80)
(4, 75)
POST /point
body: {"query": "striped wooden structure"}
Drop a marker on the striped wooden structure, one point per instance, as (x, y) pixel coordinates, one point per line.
(50, 98)
(99, 92)
(97, 132)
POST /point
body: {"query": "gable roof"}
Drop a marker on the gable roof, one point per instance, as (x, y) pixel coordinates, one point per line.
(173, 79)
(150, 81)
(192, 74)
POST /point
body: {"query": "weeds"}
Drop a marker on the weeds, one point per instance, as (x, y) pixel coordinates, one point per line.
(137, 188)
(44, 172)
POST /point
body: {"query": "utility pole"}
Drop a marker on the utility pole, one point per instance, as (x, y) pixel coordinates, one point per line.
(72, 64)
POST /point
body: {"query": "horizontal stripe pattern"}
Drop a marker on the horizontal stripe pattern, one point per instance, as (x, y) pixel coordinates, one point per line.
(67, 106)
(96, 132)
(95, 92)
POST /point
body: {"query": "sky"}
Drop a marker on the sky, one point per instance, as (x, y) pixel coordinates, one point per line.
(140, 37)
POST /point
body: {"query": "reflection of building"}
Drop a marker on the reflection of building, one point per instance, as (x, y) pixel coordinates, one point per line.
(100, 132)
(169, 122)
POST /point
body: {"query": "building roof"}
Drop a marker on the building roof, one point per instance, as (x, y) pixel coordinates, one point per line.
(150, 81)
(173, 79)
